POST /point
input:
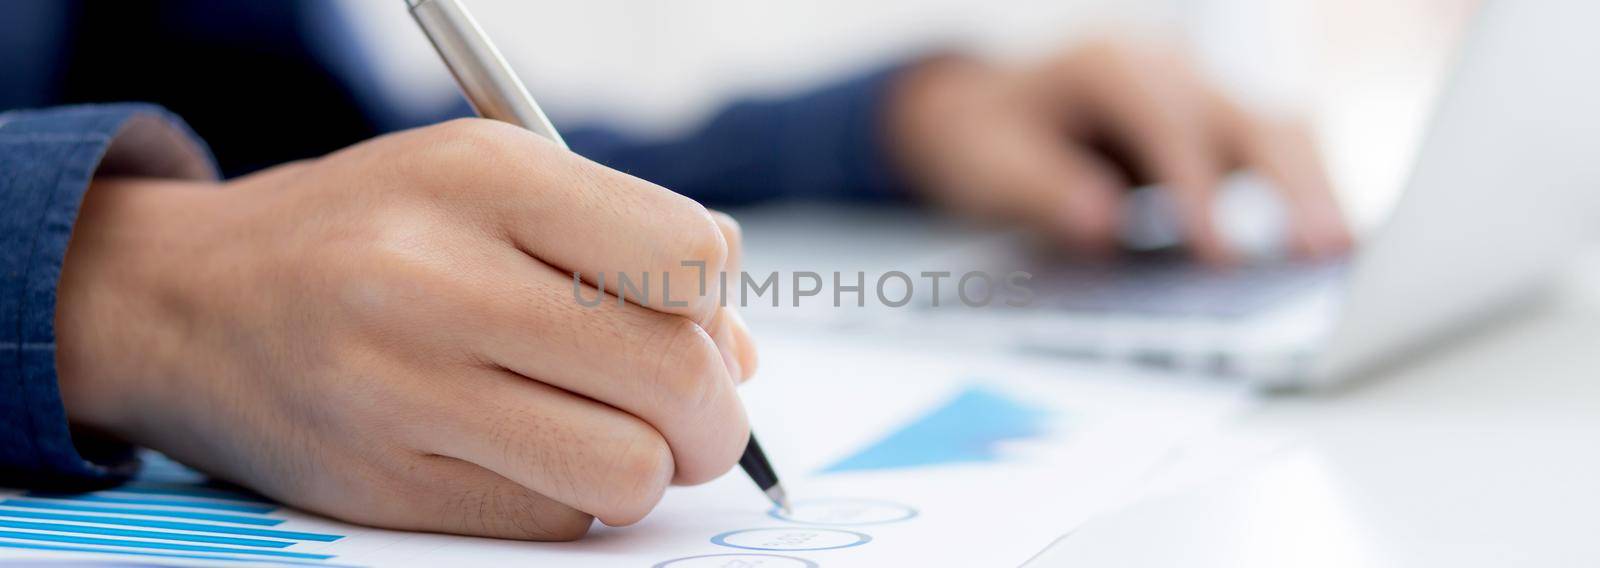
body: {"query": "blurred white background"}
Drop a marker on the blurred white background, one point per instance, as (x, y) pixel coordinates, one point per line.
(1363, 71)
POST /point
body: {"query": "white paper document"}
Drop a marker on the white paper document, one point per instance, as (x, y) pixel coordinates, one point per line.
(892, 457)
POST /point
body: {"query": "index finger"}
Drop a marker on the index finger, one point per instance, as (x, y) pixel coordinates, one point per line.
(1155, 108)
(1285, 153)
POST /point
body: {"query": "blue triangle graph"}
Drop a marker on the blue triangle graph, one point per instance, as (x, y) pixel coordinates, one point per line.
(966, 428)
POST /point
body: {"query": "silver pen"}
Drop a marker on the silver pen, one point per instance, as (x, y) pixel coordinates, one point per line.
(485, 78)
(496, 93)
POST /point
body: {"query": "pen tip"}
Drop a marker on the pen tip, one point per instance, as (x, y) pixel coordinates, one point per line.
(779, 498)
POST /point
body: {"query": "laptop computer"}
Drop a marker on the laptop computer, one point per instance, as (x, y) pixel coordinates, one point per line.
(1501, 194)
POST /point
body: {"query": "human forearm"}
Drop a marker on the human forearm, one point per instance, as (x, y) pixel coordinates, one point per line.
(47, 159)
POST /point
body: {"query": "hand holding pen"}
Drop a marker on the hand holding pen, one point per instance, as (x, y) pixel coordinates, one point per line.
(496, 93)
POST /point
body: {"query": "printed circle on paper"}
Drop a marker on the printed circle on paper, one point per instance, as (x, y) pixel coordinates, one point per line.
(791, 538)
(845, 512)
(737, 559)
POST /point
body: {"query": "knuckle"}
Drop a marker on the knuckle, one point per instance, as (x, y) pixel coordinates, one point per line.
(707, 429)
(697, 258)
(702, 239)
(687, 367)
(647, 458)
(470, 147)
(642, 470)
(480, 133)
(720, 454)
(724, 452)
(707, 241)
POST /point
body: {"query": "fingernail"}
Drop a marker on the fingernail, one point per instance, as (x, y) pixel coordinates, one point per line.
(727, 219)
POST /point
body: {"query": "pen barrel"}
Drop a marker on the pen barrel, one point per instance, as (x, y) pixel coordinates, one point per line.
(754, 463)
(485, 78)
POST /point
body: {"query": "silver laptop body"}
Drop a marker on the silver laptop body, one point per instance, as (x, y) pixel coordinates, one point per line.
(1501, 194)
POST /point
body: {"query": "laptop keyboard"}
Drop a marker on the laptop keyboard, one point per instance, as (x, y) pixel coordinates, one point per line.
(1175, 286)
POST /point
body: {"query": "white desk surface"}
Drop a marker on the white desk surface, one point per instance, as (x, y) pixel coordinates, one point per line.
(1483, 453)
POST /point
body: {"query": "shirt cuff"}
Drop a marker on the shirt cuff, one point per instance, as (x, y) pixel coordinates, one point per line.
(47, 159)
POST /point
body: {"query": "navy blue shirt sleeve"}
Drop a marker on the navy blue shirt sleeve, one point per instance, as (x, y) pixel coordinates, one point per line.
(47, 159)
(828, 143)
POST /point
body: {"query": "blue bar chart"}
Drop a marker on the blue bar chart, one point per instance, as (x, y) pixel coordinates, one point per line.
(168, 513)
(967, 428)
